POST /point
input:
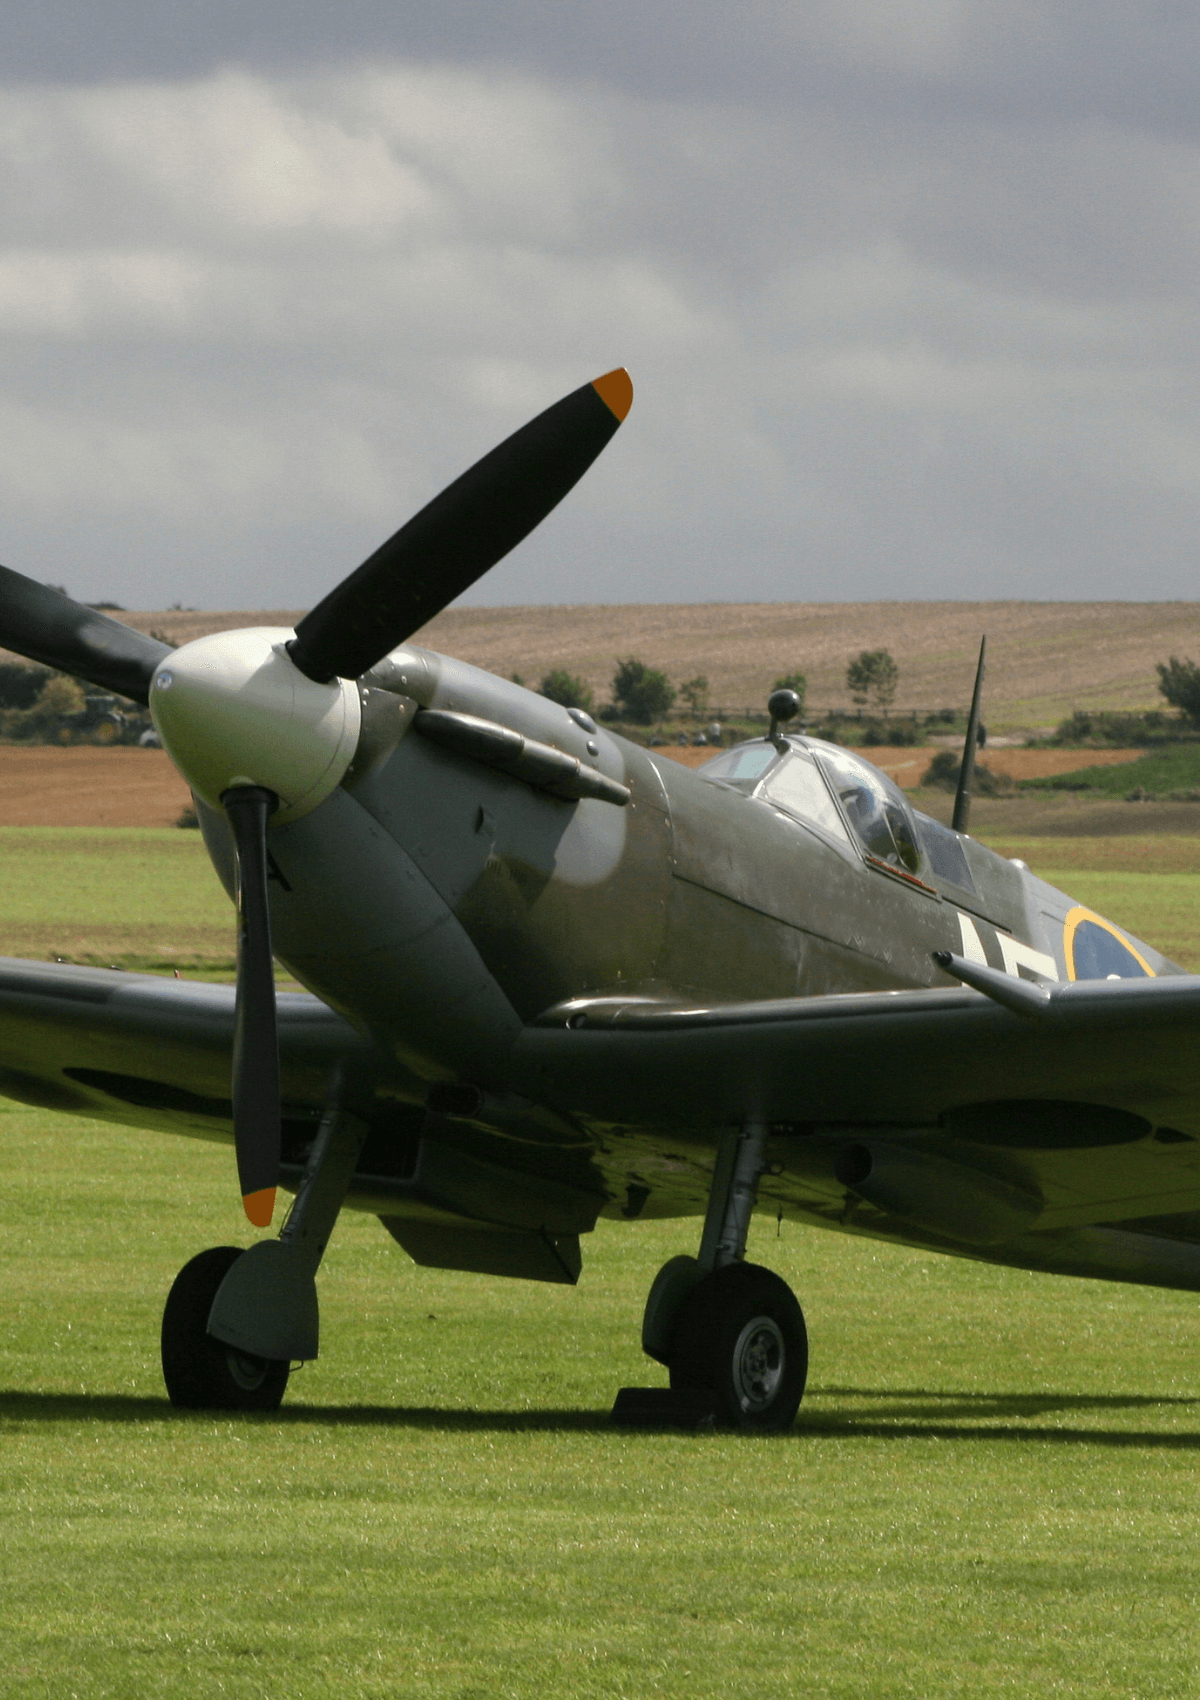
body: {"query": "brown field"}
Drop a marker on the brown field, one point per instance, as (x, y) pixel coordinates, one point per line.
(905, 764)
(42, 785)
(1044, 658)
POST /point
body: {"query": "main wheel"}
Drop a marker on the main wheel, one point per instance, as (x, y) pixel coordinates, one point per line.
(203, 1374)
(740, 1335)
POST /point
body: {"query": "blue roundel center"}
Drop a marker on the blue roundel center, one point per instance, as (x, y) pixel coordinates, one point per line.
(1099, 955)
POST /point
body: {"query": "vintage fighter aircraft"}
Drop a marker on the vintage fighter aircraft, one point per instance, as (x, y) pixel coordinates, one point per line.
(553, 976)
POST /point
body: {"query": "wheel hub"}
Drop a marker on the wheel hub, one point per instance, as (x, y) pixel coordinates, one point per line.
(248, 1372)
(758, 1363)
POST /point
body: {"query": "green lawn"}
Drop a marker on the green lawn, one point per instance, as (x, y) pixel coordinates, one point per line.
(137, 897)
(991, 1490)
(1151, 886)
(1174, 770)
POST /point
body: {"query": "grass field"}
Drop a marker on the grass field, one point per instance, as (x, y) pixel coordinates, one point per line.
(1149, 885)
(1173, 771)
(147, 898)
(133, 897)
(991, 1489)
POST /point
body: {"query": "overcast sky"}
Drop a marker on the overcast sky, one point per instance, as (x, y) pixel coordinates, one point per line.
(908, 289)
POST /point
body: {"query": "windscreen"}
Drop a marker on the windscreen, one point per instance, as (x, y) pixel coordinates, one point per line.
(795, 785)
(743, 766)
(875, 808)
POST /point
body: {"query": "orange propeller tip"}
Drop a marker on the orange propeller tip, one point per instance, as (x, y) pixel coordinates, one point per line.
(615, 390)
(259, 1206)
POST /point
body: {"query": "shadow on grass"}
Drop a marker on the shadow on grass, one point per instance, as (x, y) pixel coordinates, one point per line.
(951, 1415)
(28, 1407)
(911, 1414)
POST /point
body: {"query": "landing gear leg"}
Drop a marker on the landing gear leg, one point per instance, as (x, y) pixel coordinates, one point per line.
(236, 1320)
(729, 1332)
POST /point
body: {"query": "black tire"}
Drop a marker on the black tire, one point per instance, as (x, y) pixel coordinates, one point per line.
(740, 1335)
(203, 1374)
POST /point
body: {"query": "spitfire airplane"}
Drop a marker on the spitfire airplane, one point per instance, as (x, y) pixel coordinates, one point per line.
(553, 976)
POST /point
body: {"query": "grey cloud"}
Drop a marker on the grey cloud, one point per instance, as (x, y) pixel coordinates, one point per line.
(1110, 60)
(248, 322)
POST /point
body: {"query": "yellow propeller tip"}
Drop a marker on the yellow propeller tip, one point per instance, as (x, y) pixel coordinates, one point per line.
(259, 1206)
(615, 390)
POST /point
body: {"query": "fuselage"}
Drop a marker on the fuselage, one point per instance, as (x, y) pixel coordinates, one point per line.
(442, 903)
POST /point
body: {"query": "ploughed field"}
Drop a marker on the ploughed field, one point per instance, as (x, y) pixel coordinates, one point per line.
(906, 763)
(1044, 658)
(84, 785)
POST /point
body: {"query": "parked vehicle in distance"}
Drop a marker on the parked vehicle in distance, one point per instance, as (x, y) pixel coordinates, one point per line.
(106, 720)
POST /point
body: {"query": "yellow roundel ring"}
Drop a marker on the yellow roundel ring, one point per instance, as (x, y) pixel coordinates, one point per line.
(1075, 919)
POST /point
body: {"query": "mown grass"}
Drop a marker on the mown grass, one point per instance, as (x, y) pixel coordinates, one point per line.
(124, 895)
(147, 899)
(1172, 771)
(1150, 853)
(144, 899)
(1147, 885)
(991, 1490)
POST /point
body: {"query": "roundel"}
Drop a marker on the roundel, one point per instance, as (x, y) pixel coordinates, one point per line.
(1095, 950)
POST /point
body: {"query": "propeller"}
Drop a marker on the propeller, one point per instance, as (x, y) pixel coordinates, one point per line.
(46, 626)
(263, 728)
(256, 1112)
(458, 536)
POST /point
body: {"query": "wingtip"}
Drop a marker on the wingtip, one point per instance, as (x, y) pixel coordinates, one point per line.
(615, 390)
(259, 1206)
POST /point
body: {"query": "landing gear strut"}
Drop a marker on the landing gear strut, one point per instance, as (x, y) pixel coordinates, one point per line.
(730, 1333)
(236, 1320)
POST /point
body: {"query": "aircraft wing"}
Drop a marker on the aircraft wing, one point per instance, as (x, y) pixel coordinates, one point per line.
(902, 1058)
(936, 1116)
(151, 1052)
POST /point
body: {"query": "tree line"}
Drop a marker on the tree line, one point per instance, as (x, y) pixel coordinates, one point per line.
(642, 694)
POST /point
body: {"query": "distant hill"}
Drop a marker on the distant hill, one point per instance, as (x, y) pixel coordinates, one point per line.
(1044, 658)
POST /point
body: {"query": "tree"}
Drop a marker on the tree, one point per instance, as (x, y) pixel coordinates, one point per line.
(641, 693)
(872, 678)
(60, 695)
(792, 682)
(567, 689)
(942, 773)
(1179, 682)
(20, 685)
(695, 693)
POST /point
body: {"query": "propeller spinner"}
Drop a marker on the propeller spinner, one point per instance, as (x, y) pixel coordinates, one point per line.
(264, 725)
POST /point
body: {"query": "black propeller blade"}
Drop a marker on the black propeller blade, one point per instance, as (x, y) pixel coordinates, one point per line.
(256, 1113)
(47, 626)
(460, 534)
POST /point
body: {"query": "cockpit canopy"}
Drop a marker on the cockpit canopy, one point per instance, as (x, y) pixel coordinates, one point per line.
(874, 805)
(805, 775)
